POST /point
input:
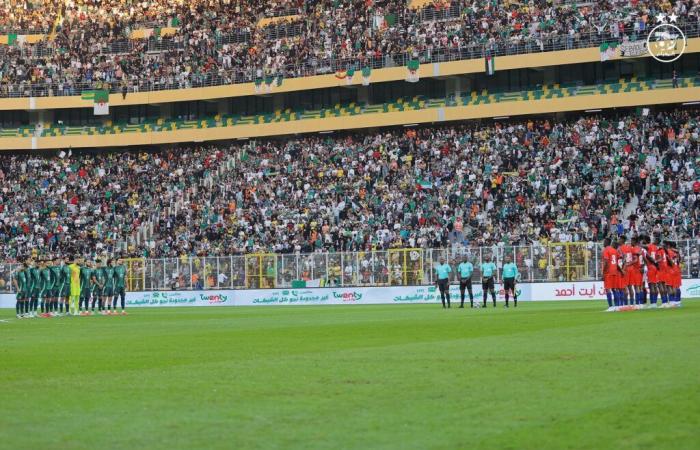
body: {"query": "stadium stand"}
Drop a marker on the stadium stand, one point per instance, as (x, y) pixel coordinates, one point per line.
(512, 182)
(167, 44)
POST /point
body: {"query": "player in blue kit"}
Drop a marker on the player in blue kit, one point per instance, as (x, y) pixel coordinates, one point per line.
(465, 270)
(443, 271)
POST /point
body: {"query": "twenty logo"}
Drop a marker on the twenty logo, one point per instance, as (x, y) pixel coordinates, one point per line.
(351, 296)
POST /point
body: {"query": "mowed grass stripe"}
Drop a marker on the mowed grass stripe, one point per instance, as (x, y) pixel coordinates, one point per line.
(408, 376)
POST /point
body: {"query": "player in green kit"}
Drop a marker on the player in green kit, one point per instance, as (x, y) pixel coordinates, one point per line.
(57, 285)
(46, 289)
(32, 290)
(64, 293)
(99, 283)
(109, 287)
(19, 280)
(120, 285)
(86, 287)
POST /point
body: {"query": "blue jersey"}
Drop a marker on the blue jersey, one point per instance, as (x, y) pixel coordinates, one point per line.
(465, 269)
(488, 269)
(443, 271)
(510, 270)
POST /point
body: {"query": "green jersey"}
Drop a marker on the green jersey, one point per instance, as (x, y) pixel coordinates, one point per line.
(65, 275)
(86, 279)
(47, 280)
(21, 279)
(56, 276)
(35, 279)
(120, 276)
(109, 276)
(99, 275)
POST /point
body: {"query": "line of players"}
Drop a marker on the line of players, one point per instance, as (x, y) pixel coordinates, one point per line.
(628, 267)
(48, 289)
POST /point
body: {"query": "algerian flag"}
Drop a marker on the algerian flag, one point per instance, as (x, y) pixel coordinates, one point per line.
(490, 62)
(366, 72)
(607, 50)
(268, 82)
(16, 39)
(258, 84)
(350, 73)
(101, 103)
(413, 66)
(280, 80)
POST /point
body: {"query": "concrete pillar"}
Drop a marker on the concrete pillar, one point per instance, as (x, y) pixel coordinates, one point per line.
(362, 95)
(278, 102)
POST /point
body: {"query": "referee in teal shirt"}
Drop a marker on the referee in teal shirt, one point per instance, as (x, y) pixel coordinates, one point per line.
(488, 273)
(465, 269)
(443, 281)
(510, 274)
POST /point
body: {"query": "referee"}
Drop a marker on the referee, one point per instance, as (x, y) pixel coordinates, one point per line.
(465, 269)
(510, 274)
(488, 271)
(443, 281)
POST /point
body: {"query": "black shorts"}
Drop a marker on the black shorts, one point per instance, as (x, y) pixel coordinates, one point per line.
(509, 284)
(444, 285)
(487, 284)
(465, 283)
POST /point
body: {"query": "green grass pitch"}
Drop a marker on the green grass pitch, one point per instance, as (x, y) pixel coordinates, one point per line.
(547, 375)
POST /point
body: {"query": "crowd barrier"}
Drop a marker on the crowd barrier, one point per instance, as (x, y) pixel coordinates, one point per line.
(527, 292)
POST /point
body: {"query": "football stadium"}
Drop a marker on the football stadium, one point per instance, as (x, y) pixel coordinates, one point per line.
(349, 224)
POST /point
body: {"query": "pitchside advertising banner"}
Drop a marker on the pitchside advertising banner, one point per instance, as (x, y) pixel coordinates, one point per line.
(590, 290)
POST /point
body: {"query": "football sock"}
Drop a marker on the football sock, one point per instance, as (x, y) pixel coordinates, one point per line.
(654, 297)
(18, 307)
(678, 295)
(610, 299)
(664, 298)
(507, 298)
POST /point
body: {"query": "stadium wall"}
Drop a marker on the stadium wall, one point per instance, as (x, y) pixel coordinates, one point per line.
(444, 69)
(590, 290)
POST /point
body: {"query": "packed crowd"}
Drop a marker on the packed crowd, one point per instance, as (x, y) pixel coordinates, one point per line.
(220, 42)
(503, 184)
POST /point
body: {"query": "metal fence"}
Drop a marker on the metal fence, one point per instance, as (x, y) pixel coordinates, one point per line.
(314, 66)
(574, 261)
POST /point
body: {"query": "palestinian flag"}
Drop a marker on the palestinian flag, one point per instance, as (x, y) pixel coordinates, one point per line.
(101, 103)
(422, 185)
(490, 63)
(413, 66)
